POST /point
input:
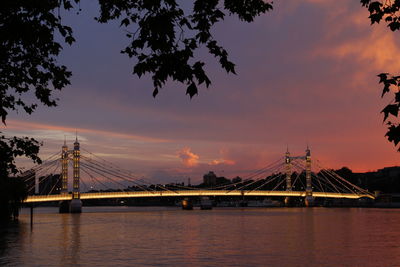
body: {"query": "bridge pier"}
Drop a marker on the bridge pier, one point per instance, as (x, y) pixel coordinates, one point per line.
(75, 206)
(63, 206)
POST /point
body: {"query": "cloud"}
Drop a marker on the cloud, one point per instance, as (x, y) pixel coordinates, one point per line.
(189, 159)
(221, 161)
(57, 131)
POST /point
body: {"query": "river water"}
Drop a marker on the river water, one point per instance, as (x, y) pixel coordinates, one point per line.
(159, 236)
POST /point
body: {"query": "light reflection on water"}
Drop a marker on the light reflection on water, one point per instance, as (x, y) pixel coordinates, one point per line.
(157, 236)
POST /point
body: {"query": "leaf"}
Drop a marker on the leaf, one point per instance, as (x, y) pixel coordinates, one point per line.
(124, 22)
(390, 109)
(383, 77)
(191, 90)
(386, 89)
(393, 134)
(155, 92)
(375, 18)
(397, 97)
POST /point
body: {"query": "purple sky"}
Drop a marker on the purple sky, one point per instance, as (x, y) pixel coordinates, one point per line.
(306, 74)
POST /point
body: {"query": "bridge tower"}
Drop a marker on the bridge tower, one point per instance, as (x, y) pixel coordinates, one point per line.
(288, 168)
(64, 168)
(309, 200)
(76, 203)
(64, 205)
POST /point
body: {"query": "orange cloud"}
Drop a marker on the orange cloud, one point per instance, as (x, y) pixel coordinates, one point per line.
(188, 158)
(221, 161)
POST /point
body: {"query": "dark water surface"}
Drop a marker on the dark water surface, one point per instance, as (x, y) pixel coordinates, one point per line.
(157, 236)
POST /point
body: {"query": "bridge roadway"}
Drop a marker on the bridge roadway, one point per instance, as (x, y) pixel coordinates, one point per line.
(192, 193)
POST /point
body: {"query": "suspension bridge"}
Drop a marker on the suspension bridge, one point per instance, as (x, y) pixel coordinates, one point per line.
(288, 177)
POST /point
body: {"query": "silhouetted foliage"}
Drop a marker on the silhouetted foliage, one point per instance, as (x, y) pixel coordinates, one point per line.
(388, 11)
(164, 36)
(28, 53)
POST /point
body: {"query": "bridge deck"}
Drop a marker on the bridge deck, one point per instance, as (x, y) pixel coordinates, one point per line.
(192, 193)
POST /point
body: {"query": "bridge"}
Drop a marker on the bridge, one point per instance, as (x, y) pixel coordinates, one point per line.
(288, 177)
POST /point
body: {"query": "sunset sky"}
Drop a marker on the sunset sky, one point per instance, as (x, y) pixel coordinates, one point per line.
(306, 75)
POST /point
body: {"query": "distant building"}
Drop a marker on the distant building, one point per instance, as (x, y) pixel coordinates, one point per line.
(210, 178)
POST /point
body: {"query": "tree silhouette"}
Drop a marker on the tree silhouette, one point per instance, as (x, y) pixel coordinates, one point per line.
(389, 11)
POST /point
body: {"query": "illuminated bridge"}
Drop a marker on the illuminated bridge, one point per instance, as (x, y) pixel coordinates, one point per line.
(288, 177)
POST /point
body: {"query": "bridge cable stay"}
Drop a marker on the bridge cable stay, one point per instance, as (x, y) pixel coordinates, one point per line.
(344, 186)
(98, 168)
(110, 172)
(253, 174)
(57, 165)
(85, 171)
(274, 176)
(268, 181)
(110, 164)
(42, 168)
(298, 179)
(264, 170)
(128, 174)
(123, 175)
(344, 182)
(56, 183)
(120, 175)
(328, 182)
(43, 172)
(44, 177)
(272, 169)
(83, 165)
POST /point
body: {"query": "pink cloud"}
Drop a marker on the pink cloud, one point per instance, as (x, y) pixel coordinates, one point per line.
(23, 125)
(222, 161)
(189, 159)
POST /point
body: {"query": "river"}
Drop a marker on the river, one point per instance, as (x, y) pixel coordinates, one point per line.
(161, 236)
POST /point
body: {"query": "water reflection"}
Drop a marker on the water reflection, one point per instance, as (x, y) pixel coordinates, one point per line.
(220, 237)
(10, 236)
(69, 241)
